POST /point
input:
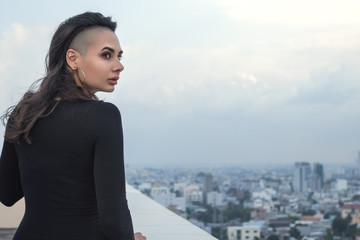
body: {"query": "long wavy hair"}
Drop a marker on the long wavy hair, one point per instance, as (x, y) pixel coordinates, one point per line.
(39, 100)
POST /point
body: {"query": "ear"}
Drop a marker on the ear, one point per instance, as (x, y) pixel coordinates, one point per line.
(72, 58)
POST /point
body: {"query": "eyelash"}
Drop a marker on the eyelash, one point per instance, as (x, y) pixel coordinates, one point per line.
(107, 55)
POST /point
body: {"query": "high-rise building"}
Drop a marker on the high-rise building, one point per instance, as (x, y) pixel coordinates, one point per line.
(317, 182)
(302, 176)
(358, 162)
(208, 185)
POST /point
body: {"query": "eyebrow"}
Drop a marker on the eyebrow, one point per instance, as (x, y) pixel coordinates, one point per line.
(111, 50)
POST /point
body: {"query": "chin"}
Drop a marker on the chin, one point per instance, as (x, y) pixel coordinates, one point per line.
(109, 90)
(106, 89)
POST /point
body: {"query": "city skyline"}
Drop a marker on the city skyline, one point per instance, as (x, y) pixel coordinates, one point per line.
(273, 201)
(214, 82)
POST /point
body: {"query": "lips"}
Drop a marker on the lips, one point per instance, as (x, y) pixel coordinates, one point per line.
(114, 78)
(113, 81)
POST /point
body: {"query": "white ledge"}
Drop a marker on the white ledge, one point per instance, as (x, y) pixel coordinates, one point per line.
(149, 217)
(159, 223)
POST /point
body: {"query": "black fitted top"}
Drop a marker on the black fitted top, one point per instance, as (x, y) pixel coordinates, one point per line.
(71, 176)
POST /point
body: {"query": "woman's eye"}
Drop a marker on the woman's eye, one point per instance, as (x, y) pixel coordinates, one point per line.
(106, 55)
(119, 57)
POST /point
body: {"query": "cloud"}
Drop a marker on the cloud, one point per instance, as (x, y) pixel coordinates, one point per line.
(332, 87)
(301, 13)
(14, 38)
(248, 77)
(188, 78)
(19, 63)
(12, 43)
(18, 36)
(256, 59)
(251, 76)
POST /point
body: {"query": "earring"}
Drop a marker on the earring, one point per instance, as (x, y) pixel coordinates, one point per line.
(83, 74)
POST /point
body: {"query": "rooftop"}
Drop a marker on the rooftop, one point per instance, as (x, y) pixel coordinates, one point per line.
(350, 206)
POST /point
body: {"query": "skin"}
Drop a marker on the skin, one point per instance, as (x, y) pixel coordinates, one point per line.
(139, 236)
(97, 52)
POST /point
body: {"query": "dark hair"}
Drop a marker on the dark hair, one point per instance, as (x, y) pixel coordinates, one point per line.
(58, 82)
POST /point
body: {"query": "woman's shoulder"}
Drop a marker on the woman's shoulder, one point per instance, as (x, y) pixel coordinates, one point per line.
(104, 116)
(101, 107)
(93, 106)
(89, 109)
(103, 113)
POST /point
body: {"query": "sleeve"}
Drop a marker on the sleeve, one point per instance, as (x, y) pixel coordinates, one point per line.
(10, 183)
(109, 176)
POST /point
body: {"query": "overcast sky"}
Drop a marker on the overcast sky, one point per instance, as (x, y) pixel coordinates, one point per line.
(212, 82)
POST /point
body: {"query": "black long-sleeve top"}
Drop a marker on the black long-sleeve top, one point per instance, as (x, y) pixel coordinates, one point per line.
(71, 175)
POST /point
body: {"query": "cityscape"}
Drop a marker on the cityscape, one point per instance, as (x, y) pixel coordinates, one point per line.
(296, 201)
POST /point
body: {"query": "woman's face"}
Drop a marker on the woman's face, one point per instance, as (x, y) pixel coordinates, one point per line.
(101, 62)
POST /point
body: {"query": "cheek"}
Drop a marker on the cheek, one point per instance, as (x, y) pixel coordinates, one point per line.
(96, 68)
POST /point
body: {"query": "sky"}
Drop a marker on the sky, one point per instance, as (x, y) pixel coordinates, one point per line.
(213, 82)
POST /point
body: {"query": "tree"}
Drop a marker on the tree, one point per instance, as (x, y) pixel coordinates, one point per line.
(205, 217)
(329, 235)
(219, 232)
(295, 233)
(351, 231)
(234, 211)
(273, 237)
(349, 217)
(339, 226)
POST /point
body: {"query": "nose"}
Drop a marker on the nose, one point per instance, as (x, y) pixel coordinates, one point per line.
(118, 66)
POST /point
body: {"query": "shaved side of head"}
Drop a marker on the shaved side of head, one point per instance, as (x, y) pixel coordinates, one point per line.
(86, 38)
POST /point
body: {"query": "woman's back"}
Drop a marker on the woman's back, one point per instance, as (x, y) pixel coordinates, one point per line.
(72, 175)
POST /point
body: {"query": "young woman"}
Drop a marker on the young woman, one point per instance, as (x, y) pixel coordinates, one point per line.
(63, 148)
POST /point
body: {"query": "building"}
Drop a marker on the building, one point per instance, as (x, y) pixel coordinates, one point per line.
(214, 199)
(302, 176)
(350, 210)
(358, 162)
(317, 182)
(341, 185)
(208, 186)
(278, 223)
(193, 194)
(166, 198)
(243, 232)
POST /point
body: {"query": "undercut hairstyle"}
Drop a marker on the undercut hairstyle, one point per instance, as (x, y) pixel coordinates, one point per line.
(58, 82)
(85, 39)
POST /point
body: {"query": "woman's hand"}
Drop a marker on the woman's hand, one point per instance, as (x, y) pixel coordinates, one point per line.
(139, 236)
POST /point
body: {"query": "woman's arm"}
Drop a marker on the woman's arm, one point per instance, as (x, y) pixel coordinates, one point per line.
(10, 183)
(109, 174)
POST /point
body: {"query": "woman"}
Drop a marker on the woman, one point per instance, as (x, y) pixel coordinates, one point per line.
(63, 148)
